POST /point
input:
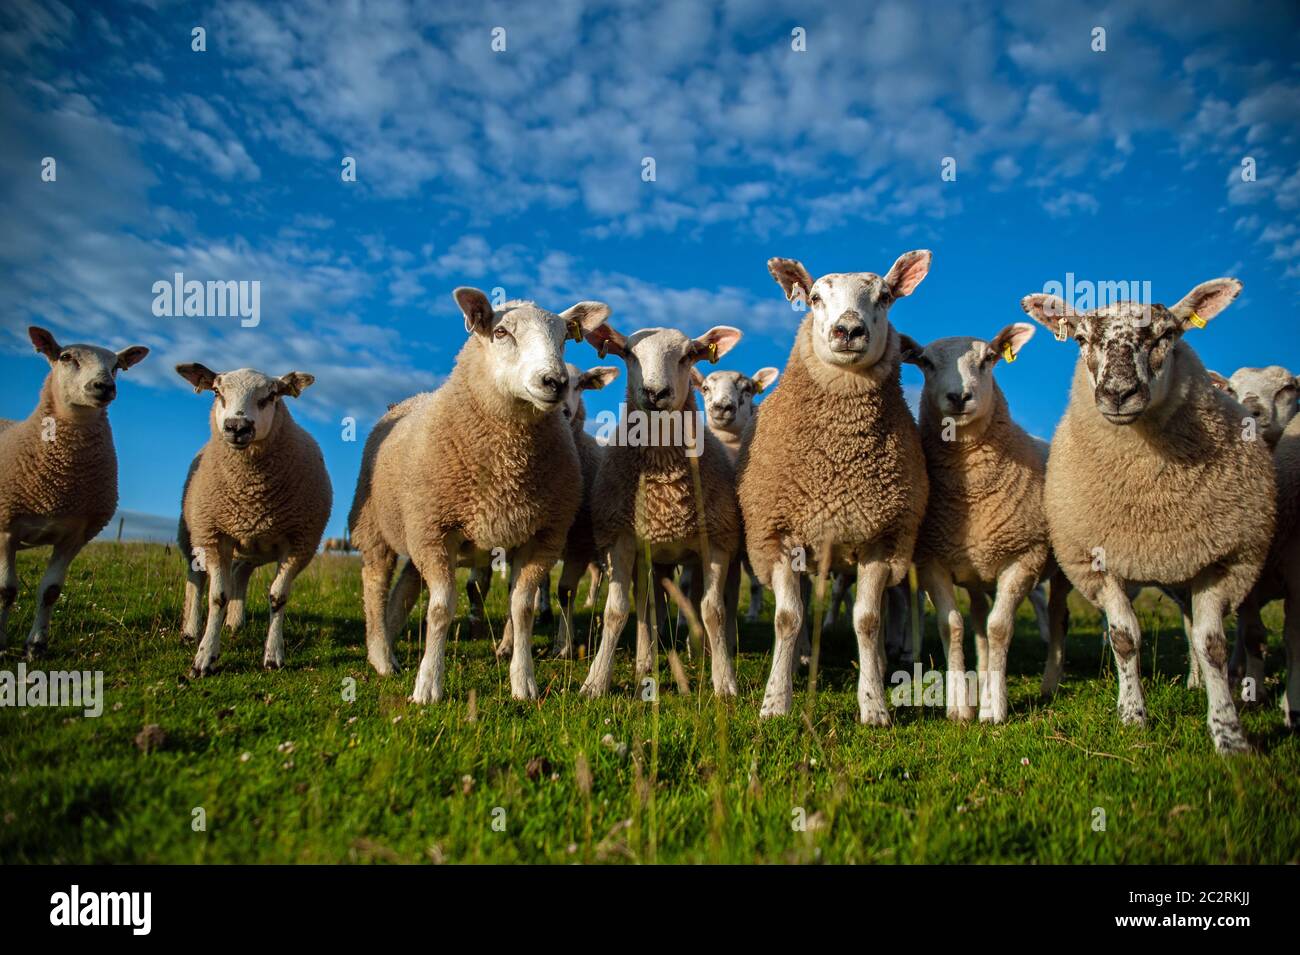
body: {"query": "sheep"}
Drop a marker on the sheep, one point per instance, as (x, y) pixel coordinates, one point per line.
(257, 493)
(483, 464)
(834, 464)
(728, 398)
(58, 472)
(1284, 562)
(645, 494)
(984, 525)
(1150, 483)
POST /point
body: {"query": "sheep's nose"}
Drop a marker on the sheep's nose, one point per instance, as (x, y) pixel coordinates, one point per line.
(849, 326)
(727, 407)
(656, 396)
(552, 383)
(959, 400)
(102, 389)
(1118, 396)
(237, 427)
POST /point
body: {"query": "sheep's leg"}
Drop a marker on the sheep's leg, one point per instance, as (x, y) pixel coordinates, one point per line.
(1291, 633)
(8, 583)
(236, 611)
(979, 618)
(785, 623)
(196, 583)
(593, 586)
(1182, 599)
(405, 592)
(1125, 642)
(622, 557)
(839, 593)
(1014, 583)
(1042, 616)
(476, 591)
(506, 645)
(805, 623)
(897, 645)
(47, 592)
(219, 590)
(376, 570)
(714, 614)
(1211, 646)
(873, 577)
(957, 691)
(436, 563)
(281, 587)
(1247, 662)
(532, 571)
(545, 615)
(661, 601)
(731, 599)
(570, 574)
(1057, 617)
(644, 589)
(755, 594)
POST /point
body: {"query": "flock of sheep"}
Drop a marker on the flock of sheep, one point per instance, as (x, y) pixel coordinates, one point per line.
(1161, 473)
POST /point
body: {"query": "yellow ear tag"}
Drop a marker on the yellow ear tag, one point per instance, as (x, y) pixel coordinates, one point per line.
(575, 330)
(713, 352)
(600, 349)
(1197, 320)
(1007, 353)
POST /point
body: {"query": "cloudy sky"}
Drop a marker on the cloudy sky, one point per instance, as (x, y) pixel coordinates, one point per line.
(522, 169)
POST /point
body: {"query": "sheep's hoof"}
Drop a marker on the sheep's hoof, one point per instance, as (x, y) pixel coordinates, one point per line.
(504, 649)
(1230, 743)
(37, 651)
(961, 714)
(1137, 717)
(592, 690)
(872, 716)
(725, 688)
(525, 690)
(559, 652)
(1194, 681)
(774, 706)
(424, 693)
(385, 667)
(272, 663)
(202, 670)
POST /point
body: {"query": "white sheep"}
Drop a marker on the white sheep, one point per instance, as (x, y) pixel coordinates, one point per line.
(58, 472)
(1150, 482)
(484, 464)
(257, 493)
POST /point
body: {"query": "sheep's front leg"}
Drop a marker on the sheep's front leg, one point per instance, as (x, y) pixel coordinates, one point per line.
(755, 594)
(219, 589)
(873, 578)
(376, 569)
(645, 588)
(786, 622)
(713, 610)
(47, 592)
(236, 610)
(281, 587)
(476, 590)
(622, 557)
(1247, 663)
(405, 592)
(1211, 645)
(938, 582)
(1057, 618)
(570, 574)
(840, 584)
(1125, 642)
(979, 618)
(1014, 583)
(534, 572)
(436, 563)
(8, 583)
(506, 645)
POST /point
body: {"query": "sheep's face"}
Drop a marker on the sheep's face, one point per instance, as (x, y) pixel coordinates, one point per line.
(660, 360)
(1127, 348)
(959, 371)
(85, 376)
(523, 344)
(729, 396)
(1268, 395)
(580, 381)
(245, 401)
(850, 310)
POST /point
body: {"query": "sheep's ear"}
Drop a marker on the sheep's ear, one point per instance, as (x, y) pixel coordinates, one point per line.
(792, 277)
(294, 383)
(131, 356)
(583, 318)
(606, 340)
(44, 342)
(1052, 313)
(764, 377)
(715, 343)
(697, 380)
(1219, 381)
(906, 273)
(593, 379)
(1205, 301)
(201, 377)
(476, 309)
(909, 351)
(1008, 342)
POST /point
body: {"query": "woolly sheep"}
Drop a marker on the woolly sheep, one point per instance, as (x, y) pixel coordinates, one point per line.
(58, 472)
(984, 526)
(839, 421)
(484, 463)
(257, 493)
(645, 494)
(1150, 482)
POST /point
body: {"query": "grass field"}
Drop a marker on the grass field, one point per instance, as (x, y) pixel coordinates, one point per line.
(286, 769)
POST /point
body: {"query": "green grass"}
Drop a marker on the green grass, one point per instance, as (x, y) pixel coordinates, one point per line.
(287, 770)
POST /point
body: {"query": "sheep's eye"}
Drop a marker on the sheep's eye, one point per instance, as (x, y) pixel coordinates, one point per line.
(67, 356)
(500, 333)
(816, 298)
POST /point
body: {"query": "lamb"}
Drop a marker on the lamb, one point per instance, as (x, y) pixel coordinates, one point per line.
(257, 493)
(645, 494)
(839, 421)
(482, 464)
(1150, 483)
(984, 526)
(58, 472)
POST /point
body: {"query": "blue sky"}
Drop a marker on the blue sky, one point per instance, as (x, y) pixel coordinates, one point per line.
(522, 170)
